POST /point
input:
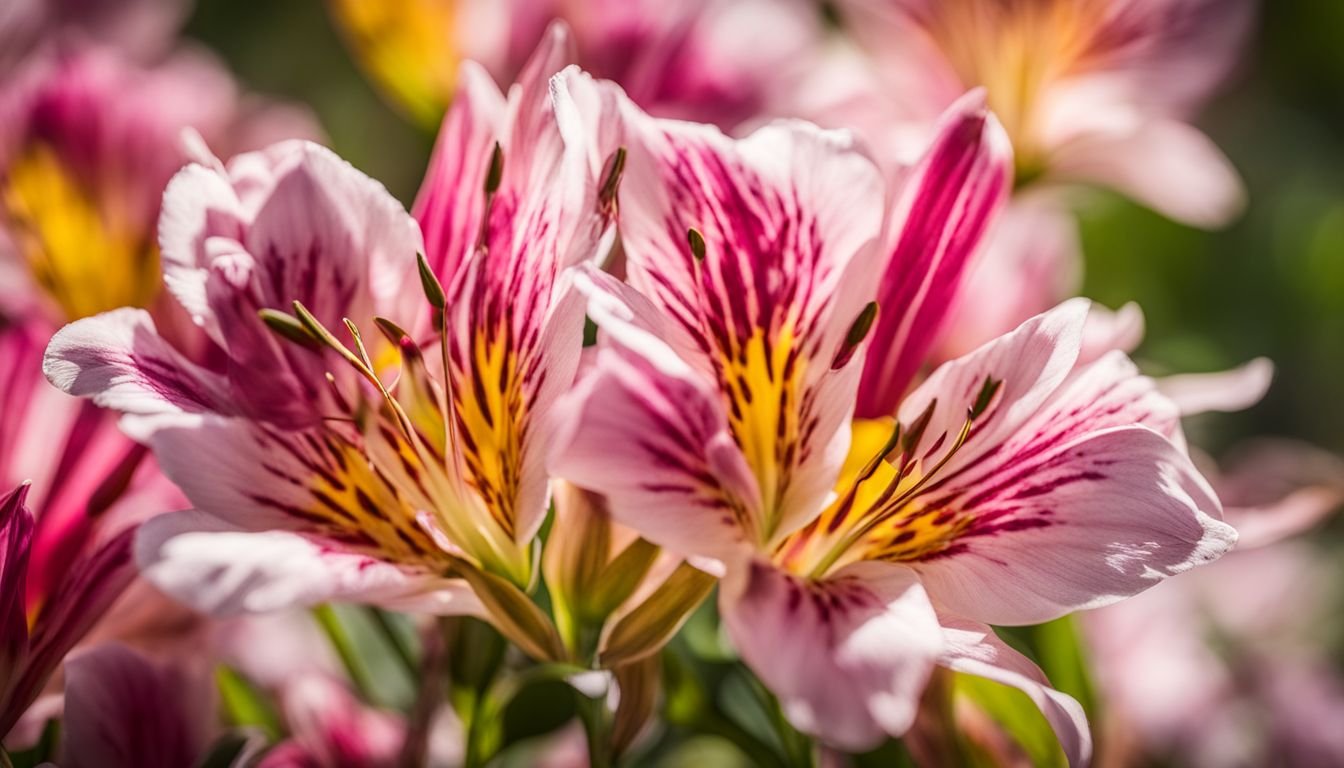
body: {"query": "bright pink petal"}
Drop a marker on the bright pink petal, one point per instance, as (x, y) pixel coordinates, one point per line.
(943, 210)
(92, 583)
(973, 648)
(848, 657)
(217, 568)
(451, 201)
(332, 727)
(16, 530)
(122, 711)
(515, 326)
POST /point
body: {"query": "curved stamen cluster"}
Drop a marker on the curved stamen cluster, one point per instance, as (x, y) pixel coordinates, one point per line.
(877, 514)
(408, 465)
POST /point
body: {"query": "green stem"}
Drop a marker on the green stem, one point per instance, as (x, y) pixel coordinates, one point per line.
(340, 641)
(761, 754)
(799, 750)
(394, 638)
(597, 727)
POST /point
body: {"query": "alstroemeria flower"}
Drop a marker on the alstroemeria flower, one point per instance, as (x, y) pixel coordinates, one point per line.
(1095, 91)
(90, 140)
(355, 469)
(1009, 488)
(720, 61)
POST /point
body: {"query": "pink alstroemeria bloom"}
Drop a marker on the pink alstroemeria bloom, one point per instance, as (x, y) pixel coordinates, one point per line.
(323, 469)
(141, 28)
(89, 141)
(1092, 91)
(1010, 489)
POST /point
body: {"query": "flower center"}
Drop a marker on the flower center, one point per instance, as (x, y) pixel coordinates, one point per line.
(1015, 49)
(762, 379)
(879, 511)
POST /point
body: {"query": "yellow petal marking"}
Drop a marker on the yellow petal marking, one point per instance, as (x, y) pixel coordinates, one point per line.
(88, 256)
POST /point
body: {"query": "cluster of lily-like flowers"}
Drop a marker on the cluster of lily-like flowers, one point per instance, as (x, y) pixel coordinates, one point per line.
(611, 363)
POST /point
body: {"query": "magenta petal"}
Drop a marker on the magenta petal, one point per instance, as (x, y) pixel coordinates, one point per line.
(16, 531)
(92, 583)
(942, 213)
(122, 711)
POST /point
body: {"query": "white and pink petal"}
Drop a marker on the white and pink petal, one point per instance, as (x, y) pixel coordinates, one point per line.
(848, 657)
(218, 568)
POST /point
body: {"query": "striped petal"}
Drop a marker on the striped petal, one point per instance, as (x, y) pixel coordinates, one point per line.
(123, 711)
(16, 532)
(774, 277)
(218, 568)
(291, 223)
(119, 360)
(943, 210)
(509, 203)
(316, 482)
(848, 657)
(645, 430)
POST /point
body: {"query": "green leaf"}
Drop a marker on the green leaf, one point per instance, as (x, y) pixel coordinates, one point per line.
(1013, 711)
(1062, 655)
(649, 626)
(244, 704)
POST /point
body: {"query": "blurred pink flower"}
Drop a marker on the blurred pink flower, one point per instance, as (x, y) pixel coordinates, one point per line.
(1013, 488)
(88, 143)
(140, 28)
(719, 61)
(330, 728)
(1223, 667)
(1092, 91)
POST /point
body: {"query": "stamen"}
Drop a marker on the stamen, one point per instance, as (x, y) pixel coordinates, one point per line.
(612, 172)
(697, 243)
(288, 328)
(857, 333)
(893, 501)
(429, 282)
(495, 175)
